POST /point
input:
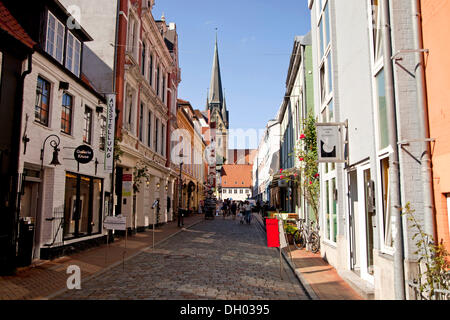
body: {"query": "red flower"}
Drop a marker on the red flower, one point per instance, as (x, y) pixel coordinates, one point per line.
(281, 177)
(310, 182)
(281, 170)
(302, 136)
(295, 174)
(316, 175)
(301, 158)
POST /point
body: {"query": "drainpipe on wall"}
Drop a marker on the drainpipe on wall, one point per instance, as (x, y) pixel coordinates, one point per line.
(423, 128)
(394, 170)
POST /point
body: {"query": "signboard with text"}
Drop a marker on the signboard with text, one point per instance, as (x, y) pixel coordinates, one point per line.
(110, 131)
(115, 223)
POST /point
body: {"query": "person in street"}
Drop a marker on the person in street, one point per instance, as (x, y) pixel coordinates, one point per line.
(234, 209)
(247, 212)
(224, 209)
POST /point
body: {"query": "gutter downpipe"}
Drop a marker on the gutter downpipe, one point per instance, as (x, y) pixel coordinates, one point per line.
(423, 130)
(394, 164)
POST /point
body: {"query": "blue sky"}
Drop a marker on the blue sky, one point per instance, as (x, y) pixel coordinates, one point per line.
(255, 42)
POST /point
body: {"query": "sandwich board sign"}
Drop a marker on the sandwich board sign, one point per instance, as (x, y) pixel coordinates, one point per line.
(115, 223)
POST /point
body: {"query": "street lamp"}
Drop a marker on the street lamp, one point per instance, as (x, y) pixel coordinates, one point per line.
(54, 142)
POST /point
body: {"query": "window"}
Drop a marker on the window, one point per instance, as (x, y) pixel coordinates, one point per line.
(325, 61)
(143, 59)
(132, 30)
(149, 131)
(164, 88)
(235, 191)
(163, 136)
(150, 72)
(388, 241)
(73, 54)
(330, 207)
(129, 110)
(141, 123)
(382, 111)
(241, 191)
(87, 126)
(376, 30)
(157, 82)
(156, 141)
(102, 133)
(66, 114)
(55, 38)
(41, 108)
(247, 191)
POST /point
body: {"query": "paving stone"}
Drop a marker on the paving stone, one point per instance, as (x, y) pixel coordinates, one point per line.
(234, 263)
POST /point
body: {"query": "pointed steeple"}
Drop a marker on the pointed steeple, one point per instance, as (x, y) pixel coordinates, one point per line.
(215, 88)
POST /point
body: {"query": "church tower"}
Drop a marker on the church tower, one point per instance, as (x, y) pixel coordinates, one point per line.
(217, 109)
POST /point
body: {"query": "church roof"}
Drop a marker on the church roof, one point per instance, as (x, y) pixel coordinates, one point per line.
(215, 88)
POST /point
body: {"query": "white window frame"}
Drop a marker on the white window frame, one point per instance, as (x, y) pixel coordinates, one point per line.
(54, 41)
(377, 65)
(75, 61)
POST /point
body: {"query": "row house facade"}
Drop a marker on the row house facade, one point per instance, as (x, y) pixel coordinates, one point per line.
(276, 152)
(266, 162)
(367, 78)
(61, 198)
(145, 80)
(296, 105)
(434, 27)
(192, 147)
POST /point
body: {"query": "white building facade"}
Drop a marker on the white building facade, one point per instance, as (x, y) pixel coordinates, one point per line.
(65, 199)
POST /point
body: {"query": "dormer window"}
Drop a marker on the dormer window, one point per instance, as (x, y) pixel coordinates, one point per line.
(73, 54)
(55, 38)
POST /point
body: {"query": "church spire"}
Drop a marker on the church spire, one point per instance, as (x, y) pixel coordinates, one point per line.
(215, 88)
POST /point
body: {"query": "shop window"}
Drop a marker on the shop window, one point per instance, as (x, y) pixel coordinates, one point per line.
(83, 206)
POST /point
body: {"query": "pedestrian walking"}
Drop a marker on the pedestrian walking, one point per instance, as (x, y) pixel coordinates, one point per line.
(247, 212)
(233, 209)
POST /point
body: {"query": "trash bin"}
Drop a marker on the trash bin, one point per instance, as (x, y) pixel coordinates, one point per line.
(25, 243)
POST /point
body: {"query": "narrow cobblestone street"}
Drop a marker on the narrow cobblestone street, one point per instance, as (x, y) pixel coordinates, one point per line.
(219, 259)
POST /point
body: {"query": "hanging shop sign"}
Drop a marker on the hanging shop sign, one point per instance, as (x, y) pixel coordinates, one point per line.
(110, 129)
(83, 154)
(330, 142)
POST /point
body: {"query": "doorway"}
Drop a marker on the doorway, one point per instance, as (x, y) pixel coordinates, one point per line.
(354, 236)
(29, 211)
(361, 221)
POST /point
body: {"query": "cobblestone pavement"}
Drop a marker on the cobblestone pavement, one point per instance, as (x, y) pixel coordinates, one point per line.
(218, 259)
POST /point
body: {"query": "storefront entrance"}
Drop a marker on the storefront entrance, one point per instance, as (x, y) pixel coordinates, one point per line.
(83, 206)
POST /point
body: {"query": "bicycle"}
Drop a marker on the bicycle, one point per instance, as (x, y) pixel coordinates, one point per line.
(307, 235)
